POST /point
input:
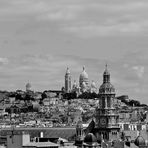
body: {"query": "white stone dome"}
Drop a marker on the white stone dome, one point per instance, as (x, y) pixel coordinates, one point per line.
(28, 86)
(83, 75)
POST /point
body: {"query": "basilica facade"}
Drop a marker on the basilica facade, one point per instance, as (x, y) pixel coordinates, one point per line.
(82, 86)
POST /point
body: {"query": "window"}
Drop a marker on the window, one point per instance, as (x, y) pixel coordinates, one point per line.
(108, 102)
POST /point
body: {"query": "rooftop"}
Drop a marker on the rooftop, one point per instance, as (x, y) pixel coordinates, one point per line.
(41, 144)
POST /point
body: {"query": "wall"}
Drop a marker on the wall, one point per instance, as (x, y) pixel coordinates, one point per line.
(14, 141)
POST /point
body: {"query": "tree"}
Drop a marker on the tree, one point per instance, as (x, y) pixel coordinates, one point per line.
(44, 95)
(70, 96)
(134, 103)
(19, 97)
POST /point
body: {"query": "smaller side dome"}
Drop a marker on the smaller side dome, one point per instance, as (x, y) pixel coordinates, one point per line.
(93, 84)
(139, 141)
(28, 86)
(90, 138)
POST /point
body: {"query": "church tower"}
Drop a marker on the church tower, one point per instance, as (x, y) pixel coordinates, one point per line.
(67, 81)
(106, 114)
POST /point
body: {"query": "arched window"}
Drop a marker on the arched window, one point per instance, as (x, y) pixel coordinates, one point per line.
(108, 102)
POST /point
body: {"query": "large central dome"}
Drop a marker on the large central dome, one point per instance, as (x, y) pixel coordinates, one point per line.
(83, 77)
(84, 74)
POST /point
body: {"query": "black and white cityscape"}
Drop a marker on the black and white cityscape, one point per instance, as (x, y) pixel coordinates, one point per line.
(73, 74)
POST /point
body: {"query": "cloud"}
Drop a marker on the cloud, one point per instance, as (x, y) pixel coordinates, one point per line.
(82, 18)
(3, 61)
(86, 28)
(35, 68)
(95, 29)
(41, 10)
(47, 72)
(61, 13)
(139, 70)
(44, 71)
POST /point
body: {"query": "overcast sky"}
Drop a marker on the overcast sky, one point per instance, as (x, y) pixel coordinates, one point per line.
(40, 38)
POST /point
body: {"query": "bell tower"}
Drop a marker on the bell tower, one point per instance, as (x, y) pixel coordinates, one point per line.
(106, 114)
(67, 81)
(79, 134)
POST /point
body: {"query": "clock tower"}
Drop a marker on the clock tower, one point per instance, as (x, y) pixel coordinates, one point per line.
(106, 115)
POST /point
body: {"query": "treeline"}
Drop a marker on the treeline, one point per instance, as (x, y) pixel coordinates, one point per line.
(23, 109)
(85, 95)
(130, 102)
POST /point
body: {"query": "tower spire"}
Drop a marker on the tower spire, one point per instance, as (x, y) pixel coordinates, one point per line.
(106, 75)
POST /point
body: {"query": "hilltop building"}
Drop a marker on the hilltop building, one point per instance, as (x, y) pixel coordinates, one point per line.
(83, 81)
(28, 87)
(83, 85)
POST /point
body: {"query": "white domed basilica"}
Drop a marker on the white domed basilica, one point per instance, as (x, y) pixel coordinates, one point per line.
(83, 85)
(83, 79)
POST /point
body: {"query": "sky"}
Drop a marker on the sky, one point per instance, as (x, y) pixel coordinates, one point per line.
(39, 39)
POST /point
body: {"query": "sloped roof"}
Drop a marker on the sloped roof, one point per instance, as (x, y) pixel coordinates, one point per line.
(90, 127)
(140, 141)
(63, 132)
